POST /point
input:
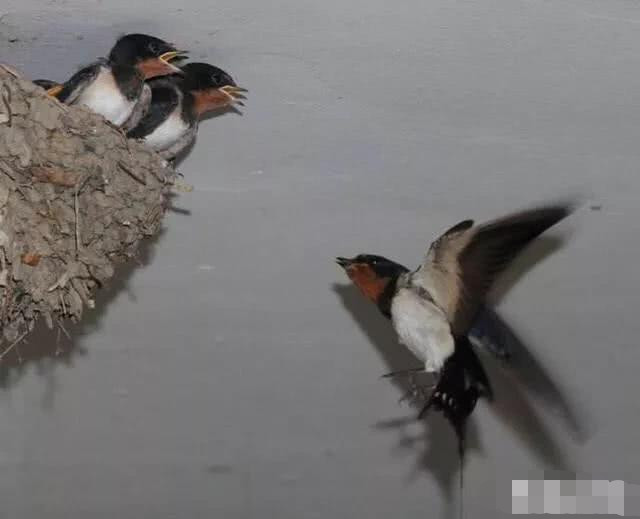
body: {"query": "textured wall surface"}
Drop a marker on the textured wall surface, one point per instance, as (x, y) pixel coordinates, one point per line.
(234, 374)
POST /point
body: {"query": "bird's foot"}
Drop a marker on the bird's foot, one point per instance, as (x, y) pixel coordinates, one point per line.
(417, 393)
(417, 390)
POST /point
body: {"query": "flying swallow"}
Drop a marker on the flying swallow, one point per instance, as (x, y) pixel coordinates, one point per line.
(177, 104)
(434, 307)
(115, 87)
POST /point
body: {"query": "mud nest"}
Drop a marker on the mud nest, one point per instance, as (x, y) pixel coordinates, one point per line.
(76, 199)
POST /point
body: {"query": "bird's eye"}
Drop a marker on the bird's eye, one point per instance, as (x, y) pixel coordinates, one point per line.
(153, 47)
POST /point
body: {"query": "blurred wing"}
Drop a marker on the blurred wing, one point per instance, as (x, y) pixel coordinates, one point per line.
(439, 273)
(462, 264)
(491, 333)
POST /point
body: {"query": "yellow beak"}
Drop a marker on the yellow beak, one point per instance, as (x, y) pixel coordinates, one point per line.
(168, 56)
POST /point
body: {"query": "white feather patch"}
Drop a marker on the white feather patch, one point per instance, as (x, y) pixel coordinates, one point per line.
(423, 328)
(168, 133)
(105, 98)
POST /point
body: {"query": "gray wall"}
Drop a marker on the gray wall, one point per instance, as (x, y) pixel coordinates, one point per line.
(234, 374)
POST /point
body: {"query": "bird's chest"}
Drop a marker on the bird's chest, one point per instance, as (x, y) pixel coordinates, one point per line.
(172, 129)
(105, 98)
(422, 327)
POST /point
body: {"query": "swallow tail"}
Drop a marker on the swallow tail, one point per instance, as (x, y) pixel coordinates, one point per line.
(462, 381)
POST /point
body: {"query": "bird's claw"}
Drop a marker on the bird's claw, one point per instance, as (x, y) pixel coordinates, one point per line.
(410, 396)
(417, 392)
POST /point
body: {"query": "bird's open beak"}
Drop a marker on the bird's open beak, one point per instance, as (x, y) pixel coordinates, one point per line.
(234, 93)
(161, 65)
(345, 263)
(218, 98)
(236, 88)
(171, 55)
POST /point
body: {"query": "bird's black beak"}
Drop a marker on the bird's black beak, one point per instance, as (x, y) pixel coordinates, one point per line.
(344, 262)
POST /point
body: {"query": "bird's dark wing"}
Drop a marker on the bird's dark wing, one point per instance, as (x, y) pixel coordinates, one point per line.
(165, 97)
(74, 86)
(139, 110)
(462, 264)
(45, 83)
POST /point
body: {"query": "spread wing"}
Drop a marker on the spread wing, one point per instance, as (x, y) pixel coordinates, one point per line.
(462, 264)
(165, 97)
(74, 86)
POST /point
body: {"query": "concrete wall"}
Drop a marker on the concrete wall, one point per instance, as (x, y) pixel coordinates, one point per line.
(234, 374)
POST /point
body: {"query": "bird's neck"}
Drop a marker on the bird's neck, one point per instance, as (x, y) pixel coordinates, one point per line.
(189, 112)
(384, 300)
(208, 100)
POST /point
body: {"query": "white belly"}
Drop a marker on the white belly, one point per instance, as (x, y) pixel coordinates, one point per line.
(104, 97)
(168, 133)
(423, 328)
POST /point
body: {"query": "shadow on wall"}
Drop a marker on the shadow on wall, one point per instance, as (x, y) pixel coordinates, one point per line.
(436, 446)
(43, 350)
(523, 370)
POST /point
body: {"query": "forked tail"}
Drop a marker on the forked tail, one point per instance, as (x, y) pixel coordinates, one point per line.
(462, 381)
